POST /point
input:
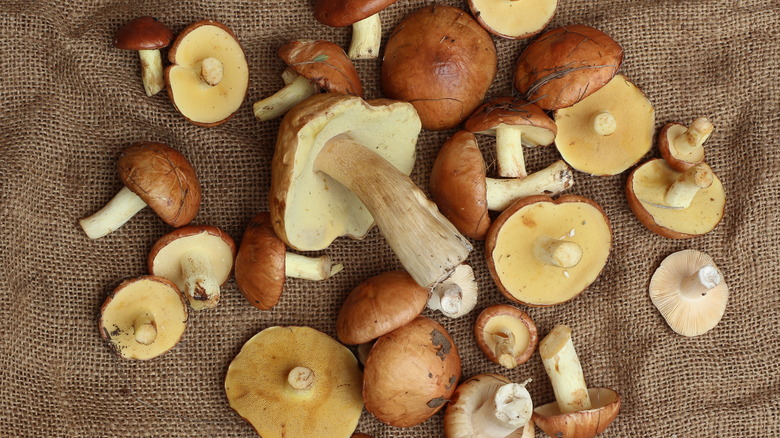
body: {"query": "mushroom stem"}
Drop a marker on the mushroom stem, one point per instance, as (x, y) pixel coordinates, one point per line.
(509, 152)
(123, 206)
(509, 408)
(301, 378)
(700, 282)
(694, 137)
(145, 330)
(310, 268)
(211, 70)
(553, 179)
(556, 252)
(201, 288)
(505, 348)
(152, 71)
(604, 123)
(683, 190)
(425, 242)
(279, 103)
(457, 295)
(366, 38)
(288, 76)
(563, 367)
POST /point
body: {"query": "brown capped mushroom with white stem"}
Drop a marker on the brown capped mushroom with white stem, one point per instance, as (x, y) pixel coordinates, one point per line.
(506, 335)
(682, 147)
(147, 35)
(456, 295)
(362, 15)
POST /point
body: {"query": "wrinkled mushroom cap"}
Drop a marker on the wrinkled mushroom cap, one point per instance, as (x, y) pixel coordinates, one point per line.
(323, 63)
(538, 129)
(143, 33)
(513, 19)
(260, 263)
(508, 317)
(163, 178)
(583, 424)
(339, 13)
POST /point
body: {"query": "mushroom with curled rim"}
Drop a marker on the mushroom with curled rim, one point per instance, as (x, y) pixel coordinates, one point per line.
(681, 146)
(143, 317)
(209, 76)
(578, 412)
(542, 252)
(513, 19)
(565, 65)
(312, 66)
(147, 35)
(690, 292)
(456, 295)
(341, 164)
(490, 406)
(362, 15)
(198, 259)
(154, 175)
(676, 205)
(295, 382)
(506, 335)
(263, 263)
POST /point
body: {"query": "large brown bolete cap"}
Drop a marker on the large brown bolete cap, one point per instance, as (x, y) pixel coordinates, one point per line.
(566, 64)
(339, 13)
(442, 61)
(323, 63)
(143, 33)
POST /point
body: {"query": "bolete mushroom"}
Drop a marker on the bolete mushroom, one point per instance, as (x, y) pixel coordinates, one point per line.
(681, 146)
(263, 263)
(506, 335)
(543, 252)
(153, 174)
(295, 382)
(578, 412)
(147, 35)
(362, 15)
(410, 373)
(312, 66)
(456, 295)
(464, 193)
(198, 259)
(673, 204)
(608, 131)
(513, 19)
(208, 77)
(342, 163)
(442, 61)
(690, 292)
(489, 406)
(143, 317)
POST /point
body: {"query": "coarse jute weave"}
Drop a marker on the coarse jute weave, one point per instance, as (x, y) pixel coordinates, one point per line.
(70, 102)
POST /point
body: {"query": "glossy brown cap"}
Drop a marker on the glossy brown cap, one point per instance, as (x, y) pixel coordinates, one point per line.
(481, 324)
(509, 111)
(164, 179)
(323, 63)
(259, 267)
(338, 13)
(143, 33)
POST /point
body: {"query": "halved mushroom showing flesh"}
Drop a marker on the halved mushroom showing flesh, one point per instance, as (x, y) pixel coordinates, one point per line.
(295, 382)
(362, 15)
(209, 75)
(690, 292)
(681, 146)
(506, 335)
(456, 295)
(143, 317)
(673, 204)
(198, 259)
(263, 263)
(543, 252)
(147, 35)
(488, 406)
(156, 175)
(464, 193)
(442, 61)
(608, 131)
(514, 19)
(342, 163)
(565, 65)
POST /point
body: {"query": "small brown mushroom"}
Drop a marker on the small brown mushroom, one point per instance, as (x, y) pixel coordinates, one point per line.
(682, 147)
(147, 35)
(513, 19)
(506, 335)
(153, 174)
(362, 15)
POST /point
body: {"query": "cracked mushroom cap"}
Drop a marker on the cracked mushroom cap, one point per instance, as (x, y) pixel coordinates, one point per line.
(260, 263)
(537, 128)
(581, 424)
(143, 33)
(513, 19)
(143, 317)
(295, 382)
(323, 63)
(340, 13)
(164, 179)
(496, 322)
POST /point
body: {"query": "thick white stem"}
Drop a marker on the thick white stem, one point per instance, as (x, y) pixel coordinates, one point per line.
(505, 348)
(279, 103)
(694, 137)
(553, 179)
(509, 152)
(684, 189)
(507, 410)
(124, 205)
(310, 268)
(288, 76)
(446, 298)
(555, 252)
(201, 288)
(301, 378)
(366, 38)
(211, 71)
(604, 123)
(563, 367)
(152, 71)
(145, 330)
(700, 282)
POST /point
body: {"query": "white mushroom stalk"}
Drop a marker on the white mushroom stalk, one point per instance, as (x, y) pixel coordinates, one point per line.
(457, 295)
(604, 123)
(509, 408)
(505, 348)
(212, 71)
(123, 206)
(509, 151)
(145, 330)
(152, 71)
(700, 282)
(310, 268)
(200, 285)
(563, 367)
(557, 252)
(295, 92)
(366, 38)
(694, 137)
(683, 190)
(301, 378)
(551, 180)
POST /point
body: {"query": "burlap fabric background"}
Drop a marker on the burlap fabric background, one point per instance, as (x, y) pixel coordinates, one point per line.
(70, 102)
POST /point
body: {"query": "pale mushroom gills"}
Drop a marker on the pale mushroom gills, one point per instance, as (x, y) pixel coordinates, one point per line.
(457, 295)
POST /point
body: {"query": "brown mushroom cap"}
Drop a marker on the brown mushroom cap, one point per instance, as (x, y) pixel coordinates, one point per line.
(666, 137)
(457, 185)
(143, 33)
(163, 178)
(582, 424)
(566, 64)
(513, 19)
(260, 263)
(538, 128)
(323, 63)
(410, 373)
(500, 316)
(378, 306)
(339, 13)
(442, 61)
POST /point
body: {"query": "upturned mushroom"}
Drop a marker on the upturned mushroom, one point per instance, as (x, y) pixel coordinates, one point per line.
(578, 412)
(683, 147)
(513, 19)
(362, 15)
(341, 164)
(147, 35)
(295, 382)
(263, 263)
(154, 175)
(676, 205)
(543, 252)
(312, 66)
(143, 317)
(489, 406)
(456, 295)
(506, 335)
(690, 292)
(208, 77)
(198, 259)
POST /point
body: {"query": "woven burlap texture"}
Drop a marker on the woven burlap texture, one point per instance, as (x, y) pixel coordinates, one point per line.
(70, 102)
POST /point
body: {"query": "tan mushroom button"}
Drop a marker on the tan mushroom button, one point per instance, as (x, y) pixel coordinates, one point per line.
(506, 335)
(514, 19)
(683, 146)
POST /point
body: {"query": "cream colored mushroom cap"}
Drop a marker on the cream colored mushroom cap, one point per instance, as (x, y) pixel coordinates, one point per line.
(257, 385)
